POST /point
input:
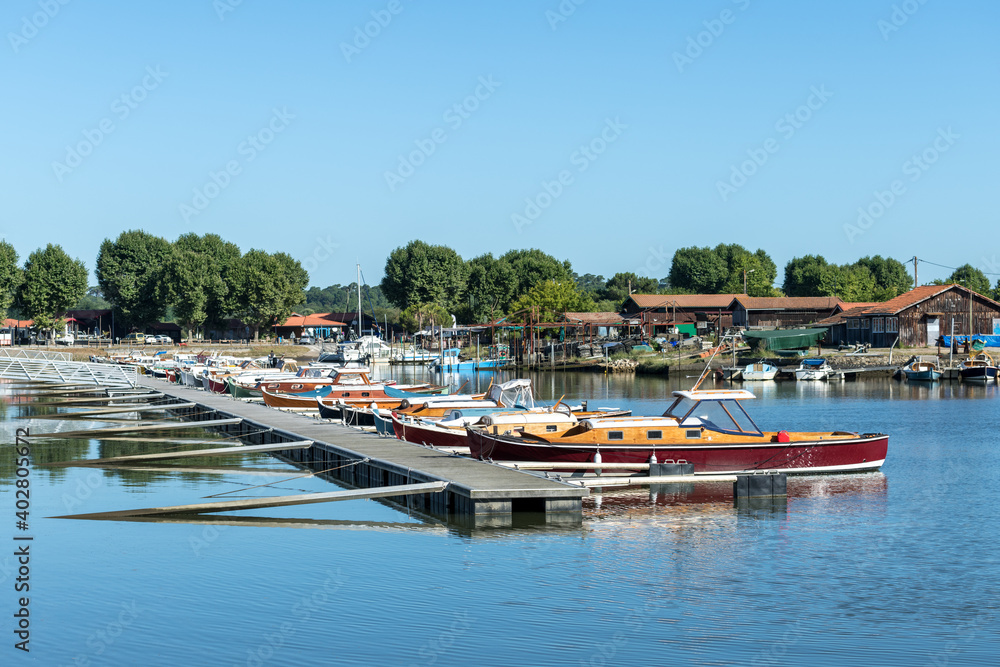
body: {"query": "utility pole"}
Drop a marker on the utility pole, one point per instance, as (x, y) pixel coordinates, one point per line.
(916, 283)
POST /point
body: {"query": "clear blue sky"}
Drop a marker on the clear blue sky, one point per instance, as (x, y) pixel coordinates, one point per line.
(673, 129)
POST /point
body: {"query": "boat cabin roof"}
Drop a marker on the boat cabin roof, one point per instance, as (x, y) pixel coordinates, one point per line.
(722, 404)
(813, 362)
(715, 394)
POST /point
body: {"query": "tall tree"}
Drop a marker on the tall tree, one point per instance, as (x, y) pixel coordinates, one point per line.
(850, 282)
(189, 279)
(699, 270)
(296, 279)
(422, 273)
(222, 256)
(10, 276)
(266, 288)
(804, 275)
(972, 278)
(53, 281)
(618, 286)
(760, 270)
(490, 288)
(590, 284)
(891, 276)
(129, 271)
(532, 267)
(414, 317)
(551, 298)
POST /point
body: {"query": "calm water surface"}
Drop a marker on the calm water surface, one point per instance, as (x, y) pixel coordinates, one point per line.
(892, 568)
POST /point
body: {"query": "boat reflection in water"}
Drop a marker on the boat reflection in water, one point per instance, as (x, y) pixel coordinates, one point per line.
(713, 501)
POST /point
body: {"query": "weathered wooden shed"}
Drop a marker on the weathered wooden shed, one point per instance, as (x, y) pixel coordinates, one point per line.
(921, 316)
(756, 312)
(709, 312)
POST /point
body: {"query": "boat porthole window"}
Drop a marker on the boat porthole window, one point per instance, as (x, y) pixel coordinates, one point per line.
(616, 435)
(346, 394)
(654, 435)
(365, 393)
(272, 386)
(693, 434)
(296, 386)
(550, 427)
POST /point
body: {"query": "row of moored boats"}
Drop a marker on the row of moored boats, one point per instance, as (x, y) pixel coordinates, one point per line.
(709, 429)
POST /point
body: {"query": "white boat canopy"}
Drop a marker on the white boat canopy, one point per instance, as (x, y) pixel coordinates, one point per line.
(715, 394)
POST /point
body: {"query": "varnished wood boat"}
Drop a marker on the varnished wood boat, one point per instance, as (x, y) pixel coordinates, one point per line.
(686, 433)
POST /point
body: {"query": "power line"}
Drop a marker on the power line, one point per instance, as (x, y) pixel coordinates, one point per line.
(951, 268)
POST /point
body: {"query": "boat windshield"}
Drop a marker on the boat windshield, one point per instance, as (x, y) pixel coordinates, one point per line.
(516, 393)
(717, 415)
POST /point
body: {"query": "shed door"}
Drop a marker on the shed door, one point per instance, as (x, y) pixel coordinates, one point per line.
(932, 330)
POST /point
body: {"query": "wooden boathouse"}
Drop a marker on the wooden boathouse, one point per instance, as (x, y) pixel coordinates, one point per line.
(918, 318)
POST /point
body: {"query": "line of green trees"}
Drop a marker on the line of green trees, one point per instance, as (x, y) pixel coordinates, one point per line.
(48, 283)
(200, 280)
(430, 283)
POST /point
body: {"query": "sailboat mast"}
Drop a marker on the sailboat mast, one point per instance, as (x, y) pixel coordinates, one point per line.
(359, 300)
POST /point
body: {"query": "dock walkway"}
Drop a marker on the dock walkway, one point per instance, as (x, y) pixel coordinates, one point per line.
(488, 494)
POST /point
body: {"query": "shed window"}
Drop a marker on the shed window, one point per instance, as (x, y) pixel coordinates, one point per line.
(876, 325)
(654, 435)
(892, 325)
(616, 435)
(693, 434)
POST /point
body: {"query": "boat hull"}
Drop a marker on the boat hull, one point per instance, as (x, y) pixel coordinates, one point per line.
(863, 453)
(922, 376)
(429, 434)
(979, 374)
(218, 386)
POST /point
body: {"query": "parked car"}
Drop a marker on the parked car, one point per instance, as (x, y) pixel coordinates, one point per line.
(163, 339)
(65, 339)
(307, 340)
(134, 339)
